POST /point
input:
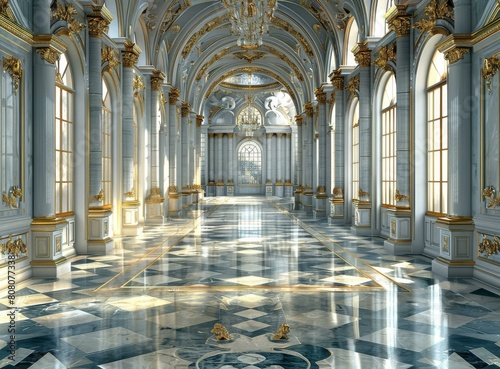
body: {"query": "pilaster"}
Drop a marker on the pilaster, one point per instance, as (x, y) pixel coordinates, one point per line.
(288, 163)
(174, 205)
(230, 161)
(269, 164)
(321, 198)
(186, 154)
(308, 162)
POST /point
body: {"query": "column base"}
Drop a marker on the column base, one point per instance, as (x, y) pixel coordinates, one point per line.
(362, 211)
(100, 247)
(298, 199)
(211, 189)
(99, 231)
(307, 202)
(336, 211)
(186, 200)
(399, 241)
(288, 190)
(269, 189)
(456, 248)
(47, 260)
(154, 212)
(219, 190)
(174, 204)
(130, 218)
(230, 190)
(279, 190)
(320, 206)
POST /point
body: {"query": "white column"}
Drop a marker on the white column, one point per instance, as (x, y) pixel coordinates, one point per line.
(230, 165)
(186, 154)
(220, 179)
(300, 184)
(320, 164)
(279, 165)
(173, 189)
(308, 157)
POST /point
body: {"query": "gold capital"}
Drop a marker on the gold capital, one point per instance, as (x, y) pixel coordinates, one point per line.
(298, 120)
(130, 54)
(308, 107)
(386, 54)
(48, 54)
(199, 120)
(363, 55)
(455, 54)
(108, 55)
(185, 108)
(157, 80)
(337, 80)
(320, 95)
(97, 26)
(173, 96)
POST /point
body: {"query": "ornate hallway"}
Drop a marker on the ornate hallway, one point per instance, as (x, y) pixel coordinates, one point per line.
(252, 264)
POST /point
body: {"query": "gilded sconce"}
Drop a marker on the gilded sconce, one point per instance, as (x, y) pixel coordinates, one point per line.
(14, 68)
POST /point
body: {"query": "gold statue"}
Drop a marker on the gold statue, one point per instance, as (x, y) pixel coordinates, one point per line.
(282, 332)
(220, 332)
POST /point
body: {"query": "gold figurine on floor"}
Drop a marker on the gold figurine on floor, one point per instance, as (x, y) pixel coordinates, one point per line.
(282, 332)
(220, 332)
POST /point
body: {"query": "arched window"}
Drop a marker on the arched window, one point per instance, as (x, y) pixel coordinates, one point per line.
(379, 23)
(106, 145)
(355, 152)
(388, 131)
(350, 42)
(64, 138)
(249, 164)
(437, 136)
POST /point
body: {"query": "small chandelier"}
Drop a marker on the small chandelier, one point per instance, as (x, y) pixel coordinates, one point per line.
(250, 20)
(249, 120)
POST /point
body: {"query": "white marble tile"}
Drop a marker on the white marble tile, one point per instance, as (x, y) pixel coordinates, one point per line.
(53, 286)
(251, 313)
(349, 280)
(21, 354)
(138, 303)
(67, 318)
(105, 339)
(349, 359)
(165, 359)
(251, 325)
(250, 267)
(323, 319)
(437, 318)
(404, 339)
(153, 280)
(486, 356)
(4, 318)
(250, 280)
(180, 319)
(48, 361)
(35, 299)
(93, 265)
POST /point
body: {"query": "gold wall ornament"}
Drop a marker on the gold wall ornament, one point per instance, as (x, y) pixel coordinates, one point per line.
(280, 23)
(138, 83)
(108, 55)
(249, 56)
(6, 11)
(14, 247)
(163, 99)
(157, 80)
(212, 60)
(282, 332)
(386, 54)
(99, 197)
(490, 193)
(489, 69)
(220, 333)
(97, 26)
(290, 63)
(353, 85)
(199, 120)
(48, 54)
(68, 14)
(489, 246)
(309, 109)
(338, 192)
(13, 66)
(173, 96)
(455, 54)
(400, 197)
(58, 243)
(10, 198)
(446, 244)
(401, 26)
(393, 227)
(434, 10)
(211, 25)
(298, 120)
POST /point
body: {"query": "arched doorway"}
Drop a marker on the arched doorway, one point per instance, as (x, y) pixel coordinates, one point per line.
(249, 167)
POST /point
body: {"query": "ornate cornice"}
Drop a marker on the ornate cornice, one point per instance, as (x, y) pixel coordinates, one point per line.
(386, 54)
(353, 85)
(108, 55)
(362, 55)
(173, 96)
(337, 79)
(157, 80)
(320, 95)
(130, 54)
(199, 120)
(292, 31)
(48, 54)
(68, 14)
(185, 109)
(434, 11)
(97, 26)
(399, 21)
(455, 54)
(204, 30)
(14, 67)
(489, 69)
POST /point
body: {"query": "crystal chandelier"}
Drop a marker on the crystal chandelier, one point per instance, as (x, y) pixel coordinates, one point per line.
(250, 20)
(249, 120)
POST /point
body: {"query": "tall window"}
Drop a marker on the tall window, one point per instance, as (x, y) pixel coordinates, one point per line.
(389, 143)
(249, 164)
(64, 138)
(106, 145)
(437, 136)
(355, 152)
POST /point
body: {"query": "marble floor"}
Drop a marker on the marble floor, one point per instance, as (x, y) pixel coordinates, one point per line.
(251, 264)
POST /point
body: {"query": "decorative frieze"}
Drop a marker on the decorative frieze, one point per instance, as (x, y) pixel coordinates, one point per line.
(488, 245)
(15, 247)
(13, 66)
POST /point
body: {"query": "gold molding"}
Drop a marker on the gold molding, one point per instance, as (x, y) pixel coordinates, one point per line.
(204, 30)
(455, 54)
(172, 189)
(249, 56)
(68, 14)
(489, 69)
(48, 54)
(292, 31)
(13, 66)
(489, 246)
(211, 61)
(155, 196)
(109, 55)
(386, 54)
(6, 11)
